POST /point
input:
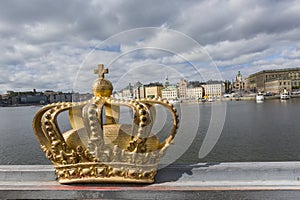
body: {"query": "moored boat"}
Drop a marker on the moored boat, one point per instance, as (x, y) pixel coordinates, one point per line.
(260, 97)
(174, 101)
(285, 95)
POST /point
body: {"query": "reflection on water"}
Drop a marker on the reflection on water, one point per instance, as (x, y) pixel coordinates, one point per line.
(252, 132)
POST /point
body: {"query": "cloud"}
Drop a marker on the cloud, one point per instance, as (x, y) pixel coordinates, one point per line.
(44, 45)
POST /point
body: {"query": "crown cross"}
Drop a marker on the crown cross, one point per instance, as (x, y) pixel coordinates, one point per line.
(101, 71)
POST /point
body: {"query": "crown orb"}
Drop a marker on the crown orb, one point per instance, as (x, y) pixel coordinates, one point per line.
(102, 88)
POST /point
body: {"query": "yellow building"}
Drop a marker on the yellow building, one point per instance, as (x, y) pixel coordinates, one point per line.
(238, 85)
(277, 86)
(153, 91)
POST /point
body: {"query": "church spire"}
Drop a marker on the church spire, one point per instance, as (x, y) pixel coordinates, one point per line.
(167, 82)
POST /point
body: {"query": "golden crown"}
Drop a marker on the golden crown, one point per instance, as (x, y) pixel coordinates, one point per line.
(94, 151)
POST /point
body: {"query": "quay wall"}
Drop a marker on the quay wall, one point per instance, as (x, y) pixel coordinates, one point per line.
(254, 180)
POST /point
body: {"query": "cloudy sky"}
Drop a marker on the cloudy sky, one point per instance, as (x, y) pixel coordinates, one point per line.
(56, 44)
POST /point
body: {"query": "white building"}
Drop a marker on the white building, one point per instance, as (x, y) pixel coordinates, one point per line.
(170, 92)
(127, 92)
(214, 89)
(138, 90)
(194, 92)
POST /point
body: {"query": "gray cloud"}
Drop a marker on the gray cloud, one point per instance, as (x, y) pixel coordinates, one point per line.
(44, 43)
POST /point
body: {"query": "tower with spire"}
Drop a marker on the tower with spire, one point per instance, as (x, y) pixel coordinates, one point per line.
(238, 85)
(167, 83)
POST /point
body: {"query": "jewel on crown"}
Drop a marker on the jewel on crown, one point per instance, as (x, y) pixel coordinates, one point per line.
(94, 151)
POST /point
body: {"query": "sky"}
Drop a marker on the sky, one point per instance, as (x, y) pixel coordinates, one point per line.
(56, 45)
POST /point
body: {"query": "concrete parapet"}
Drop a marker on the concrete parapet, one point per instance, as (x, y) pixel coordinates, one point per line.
(260, 180)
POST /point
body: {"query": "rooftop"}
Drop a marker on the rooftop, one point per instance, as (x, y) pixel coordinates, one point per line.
(275, 70)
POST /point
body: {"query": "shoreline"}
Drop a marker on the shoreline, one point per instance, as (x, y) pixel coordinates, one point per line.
(244, 98)
(23, 105)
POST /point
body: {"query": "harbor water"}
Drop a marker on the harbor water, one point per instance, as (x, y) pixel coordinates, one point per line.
(268, 131)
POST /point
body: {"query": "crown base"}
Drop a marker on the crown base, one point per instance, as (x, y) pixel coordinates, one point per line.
(105, 173)
(104, 180)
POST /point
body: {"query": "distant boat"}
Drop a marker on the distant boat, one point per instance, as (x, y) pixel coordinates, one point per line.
(210, 99)
(260, 97)
(285, 95)
(174, 101)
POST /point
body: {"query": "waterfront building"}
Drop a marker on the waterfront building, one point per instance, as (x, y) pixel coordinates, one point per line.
(142, 91)
(138, 90)
(276, 86)
(228, 86)
(214, 89)
(195, 92)
(85, 97)
(51, 98)
(182, 87)
(170, 92)
(33, 99)
(75, 97)
(29, 97)
(153, 90)
(68, 97)
(273, 80)
(15, 100)
(5, 100)
(117, 94)
(59, 98)
(238, 84)
(127, 92)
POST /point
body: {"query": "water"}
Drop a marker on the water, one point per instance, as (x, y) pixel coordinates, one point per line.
(18, 144)
(251, 132)
(269, 131)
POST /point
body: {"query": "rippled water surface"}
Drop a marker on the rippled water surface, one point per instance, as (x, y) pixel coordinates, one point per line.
(269, 131)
